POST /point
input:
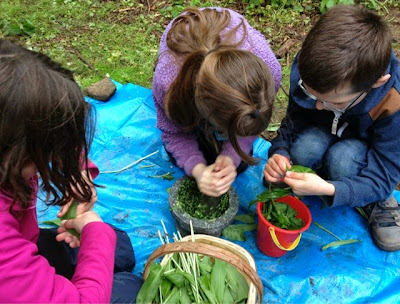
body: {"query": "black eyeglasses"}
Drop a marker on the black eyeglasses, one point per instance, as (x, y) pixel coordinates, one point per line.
(337, 112)
(325, 103)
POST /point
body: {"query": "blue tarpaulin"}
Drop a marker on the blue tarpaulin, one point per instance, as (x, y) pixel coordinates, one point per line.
(135, 200)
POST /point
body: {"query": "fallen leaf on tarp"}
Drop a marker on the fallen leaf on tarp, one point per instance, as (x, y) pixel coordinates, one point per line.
(236, 232)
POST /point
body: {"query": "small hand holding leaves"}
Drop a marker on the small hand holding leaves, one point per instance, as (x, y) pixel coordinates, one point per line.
(63, 233)
(280, 214)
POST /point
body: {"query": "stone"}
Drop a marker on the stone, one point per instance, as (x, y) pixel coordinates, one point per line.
(210, 227)
(102, 90)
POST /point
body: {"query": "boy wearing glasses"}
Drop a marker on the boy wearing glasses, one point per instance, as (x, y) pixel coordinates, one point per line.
(343, 119)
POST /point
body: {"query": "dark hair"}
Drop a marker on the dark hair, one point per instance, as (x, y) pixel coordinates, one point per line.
(348, 45)
(44, 120)
(230, 90)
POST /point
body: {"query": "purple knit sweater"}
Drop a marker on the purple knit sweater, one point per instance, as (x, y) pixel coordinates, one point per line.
(184, 146)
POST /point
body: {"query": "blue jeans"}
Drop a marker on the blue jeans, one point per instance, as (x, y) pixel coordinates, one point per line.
(328, 155)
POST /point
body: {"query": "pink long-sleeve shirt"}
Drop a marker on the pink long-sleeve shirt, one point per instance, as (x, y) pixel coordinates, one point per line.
(26, 276)
(183, 146)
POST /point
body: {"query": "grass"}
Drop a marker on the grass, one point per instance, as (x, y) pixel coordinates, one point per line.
(76, 33)
(120, 38)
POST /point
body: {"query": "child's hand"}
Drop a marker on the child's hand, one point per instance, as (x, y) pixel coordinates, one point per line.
(78, 223)
(308, 184)
(82, 207)
(204, 179)
(212, 182)
(224, 174)
(65, 235)
(275, 168)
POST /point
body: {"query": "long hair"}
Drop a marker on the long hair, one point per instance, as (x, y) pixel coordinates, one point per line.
(45, 121)
(349, 44)
(219, 88)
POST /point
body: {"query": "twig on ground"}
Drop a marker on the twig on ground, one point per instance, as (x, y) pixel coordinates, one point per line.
(75, 51)
(284, 90)
(125, 9)
(130, 165)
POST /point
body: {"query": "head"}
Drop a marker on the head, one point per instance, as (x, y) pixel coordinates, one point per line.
(345, 53)
(221, 88)
(44, 124)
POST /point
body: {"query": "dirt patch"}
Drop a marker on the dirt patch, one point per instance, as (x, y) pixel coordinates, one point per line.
(394, 23)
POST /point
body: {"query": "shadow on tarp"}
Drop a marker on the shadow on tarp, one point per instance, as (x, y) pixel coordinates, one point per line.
(135, 201)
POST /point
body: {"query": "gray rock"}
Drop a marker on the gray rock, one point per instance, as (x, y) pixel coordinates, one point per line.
(209, 227)
(101, 90)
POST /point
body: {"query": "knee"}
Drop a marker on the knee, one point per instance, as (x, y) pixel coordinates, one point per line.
(346, 158)
(310, 146)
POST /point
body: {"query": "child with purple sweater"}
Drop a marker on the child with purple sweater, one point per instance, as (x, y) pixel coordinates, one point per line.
(214, 87)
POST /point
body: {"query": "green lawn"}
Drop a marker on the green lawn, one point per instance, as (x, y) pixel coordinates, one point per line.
(120, 38)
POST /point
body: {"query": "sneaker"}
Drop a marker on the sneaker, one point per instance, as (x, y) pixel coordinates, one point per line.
(384, 222)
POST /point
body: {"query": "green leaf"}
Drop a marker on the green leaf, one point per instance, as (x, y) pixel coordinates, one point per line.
(271, 194)
(301, 169)
(150, 286)
(228, 296)
(246, 218)
(205, 265)
(282, 215)
(326, 230)
(211, 297)
(55, 222)
(70, 214)
(339, 243)
(176, 278)
(166, 176)
(184, 296)
(237, 232)
(238, 284)
(188, 276)
(362, 212)
(166, 286)
(218, 275)
(173, 297)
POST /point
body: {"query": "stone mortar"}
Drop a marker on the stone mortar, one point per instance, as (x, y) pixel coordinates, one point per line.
(211, 227)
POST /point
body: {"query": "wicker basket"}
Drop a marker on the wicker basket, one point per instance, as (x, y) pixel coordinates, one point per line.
(216, 248)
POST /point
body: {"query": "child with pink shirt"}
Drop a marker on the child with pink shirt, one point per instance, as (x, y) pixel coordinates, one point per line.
(44, 129)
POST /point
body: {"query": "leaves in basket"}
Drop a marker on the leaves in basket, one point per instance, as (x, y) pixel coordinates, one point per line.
(217, 282)
(237, 283)
(205, 265)
(150, 287)
(166, 286)
(218, 274)
(209, 294)
(184, 296)
(175, 278)
(174, 296)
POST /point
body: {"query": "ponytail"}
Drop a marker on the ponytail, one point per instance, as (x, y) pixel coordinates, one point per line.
(179, 101)
(219, 87)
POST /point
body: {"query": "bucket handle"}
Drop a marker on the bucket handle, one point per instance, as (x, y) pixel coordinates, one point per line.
(276, 241)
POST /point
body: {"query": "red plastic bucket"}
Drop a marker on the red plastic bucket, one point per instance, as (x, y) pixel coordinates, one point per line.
(274, 241)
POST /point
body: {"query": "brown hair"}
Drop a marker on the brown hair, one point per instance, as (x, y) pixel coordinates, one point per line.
(44, 120)
(349, 44)
(230, 90)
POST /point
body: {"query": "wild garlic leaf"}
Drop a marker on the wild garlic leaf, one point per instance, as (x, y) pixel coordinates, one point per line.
(237, 232)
